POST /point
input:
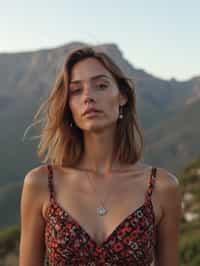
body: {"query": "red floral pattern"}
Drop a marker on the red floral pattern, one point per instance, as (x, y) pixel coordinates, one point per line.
(131, 243)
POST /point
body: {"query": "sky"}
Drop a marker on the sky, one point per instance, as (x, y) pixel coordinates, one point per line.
(161, 37)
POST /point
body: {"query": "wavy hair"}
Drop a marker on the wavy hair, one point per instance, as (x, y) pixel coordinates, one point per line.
(61, 144)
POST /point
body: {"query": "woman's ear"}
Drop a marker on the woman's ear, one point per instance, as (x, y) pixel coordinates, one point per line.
(122, 99)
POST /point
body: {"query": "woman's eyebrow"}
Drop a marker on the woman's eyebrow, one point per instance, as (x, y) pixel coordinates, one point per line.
(92, 78)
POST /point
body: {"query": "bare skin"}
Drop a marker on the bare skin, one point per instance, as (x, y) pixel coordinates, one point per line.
(126, 184)
(81, 201)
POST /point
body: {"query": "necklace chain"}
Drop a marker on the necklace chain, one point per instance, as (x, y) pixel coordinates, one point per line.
(102, 210)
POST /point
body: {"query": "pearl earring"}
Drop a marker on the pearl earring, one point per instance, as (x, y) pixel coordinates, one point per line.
(121, 112)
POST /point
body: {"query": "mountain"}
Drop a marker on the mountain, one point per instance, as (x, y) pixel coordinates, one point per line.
(27, 78)
(175, 141)
(168, 112)
(10, 204)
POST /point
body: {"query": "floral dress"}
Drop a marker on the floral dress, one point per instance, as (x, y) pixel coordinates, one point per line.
(131, 243)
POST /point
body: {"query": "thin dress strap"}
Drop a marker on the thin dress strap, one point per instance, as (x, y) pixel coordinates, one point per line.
(151, 184)
(50, 181)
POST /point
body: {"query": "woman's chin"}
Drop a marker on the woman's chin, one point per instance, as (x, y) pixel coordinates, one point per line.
(96, 127)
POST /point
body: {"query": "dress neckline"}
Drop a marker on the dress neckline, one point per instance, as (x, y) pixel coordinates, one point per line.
(114, 232)
(146, 203)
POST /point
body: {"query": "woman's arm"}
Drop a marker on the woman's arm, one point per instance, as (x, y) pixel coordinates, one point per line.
(167, 249)
(32, 248)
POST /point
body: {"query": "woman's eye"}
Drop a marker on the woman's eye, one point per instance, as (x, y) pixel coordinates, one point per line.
(102, 86)
(75, 91)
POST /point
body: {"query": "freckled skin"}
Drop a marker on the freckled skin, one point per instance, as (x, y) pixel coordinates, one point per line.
(103, 91)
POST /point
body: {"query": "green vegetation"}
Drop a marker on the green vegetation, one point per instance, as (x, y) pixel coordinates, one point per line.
(190, 248)
(190, 231)
(9, 246)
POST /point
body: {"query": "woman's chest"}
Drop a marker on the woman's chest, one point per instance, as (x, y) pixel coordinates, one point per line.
(120, 202)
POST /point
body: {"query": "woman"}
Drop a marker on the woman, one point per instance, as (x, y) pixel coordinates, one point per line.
(95, 202)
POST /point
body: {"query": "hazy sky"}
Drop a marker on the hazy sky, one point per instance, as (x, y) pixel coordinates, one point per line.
(161, 37)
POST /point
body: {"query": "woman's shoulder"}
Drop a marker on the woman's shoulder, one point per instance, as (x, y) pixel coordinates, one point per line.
(168, 190)
(166, 179)
(166, 183)
(36, 178)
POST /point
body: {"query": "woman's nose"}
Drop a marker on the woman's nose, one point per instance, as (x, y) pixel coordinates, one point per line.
(89, 94)
(88, 100)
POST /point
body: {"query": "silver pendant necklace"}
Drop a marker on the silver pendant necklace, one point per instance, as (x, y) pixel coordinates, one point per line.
(101, 210)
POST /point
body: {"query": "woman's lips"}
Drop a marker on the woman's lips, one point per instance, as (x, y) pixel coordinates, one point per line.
(92, 114)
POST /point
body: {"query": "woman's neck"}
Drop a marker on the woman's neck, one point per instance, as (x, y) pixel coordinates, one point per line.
(98, 152)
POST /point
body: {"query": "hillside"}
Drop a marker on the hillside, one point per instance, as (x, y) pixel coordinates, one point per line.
(190, 229)
(10, 204)
(168, 111)
(27, 78)
(175, 141)
(190, 181)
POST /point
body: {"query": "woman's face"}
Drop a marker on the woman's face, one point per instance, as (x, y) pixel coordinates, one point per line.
(93, 86)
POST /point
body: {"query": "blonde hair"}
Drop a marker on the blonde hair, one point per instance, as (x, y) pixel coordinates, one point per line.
(63, 144)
